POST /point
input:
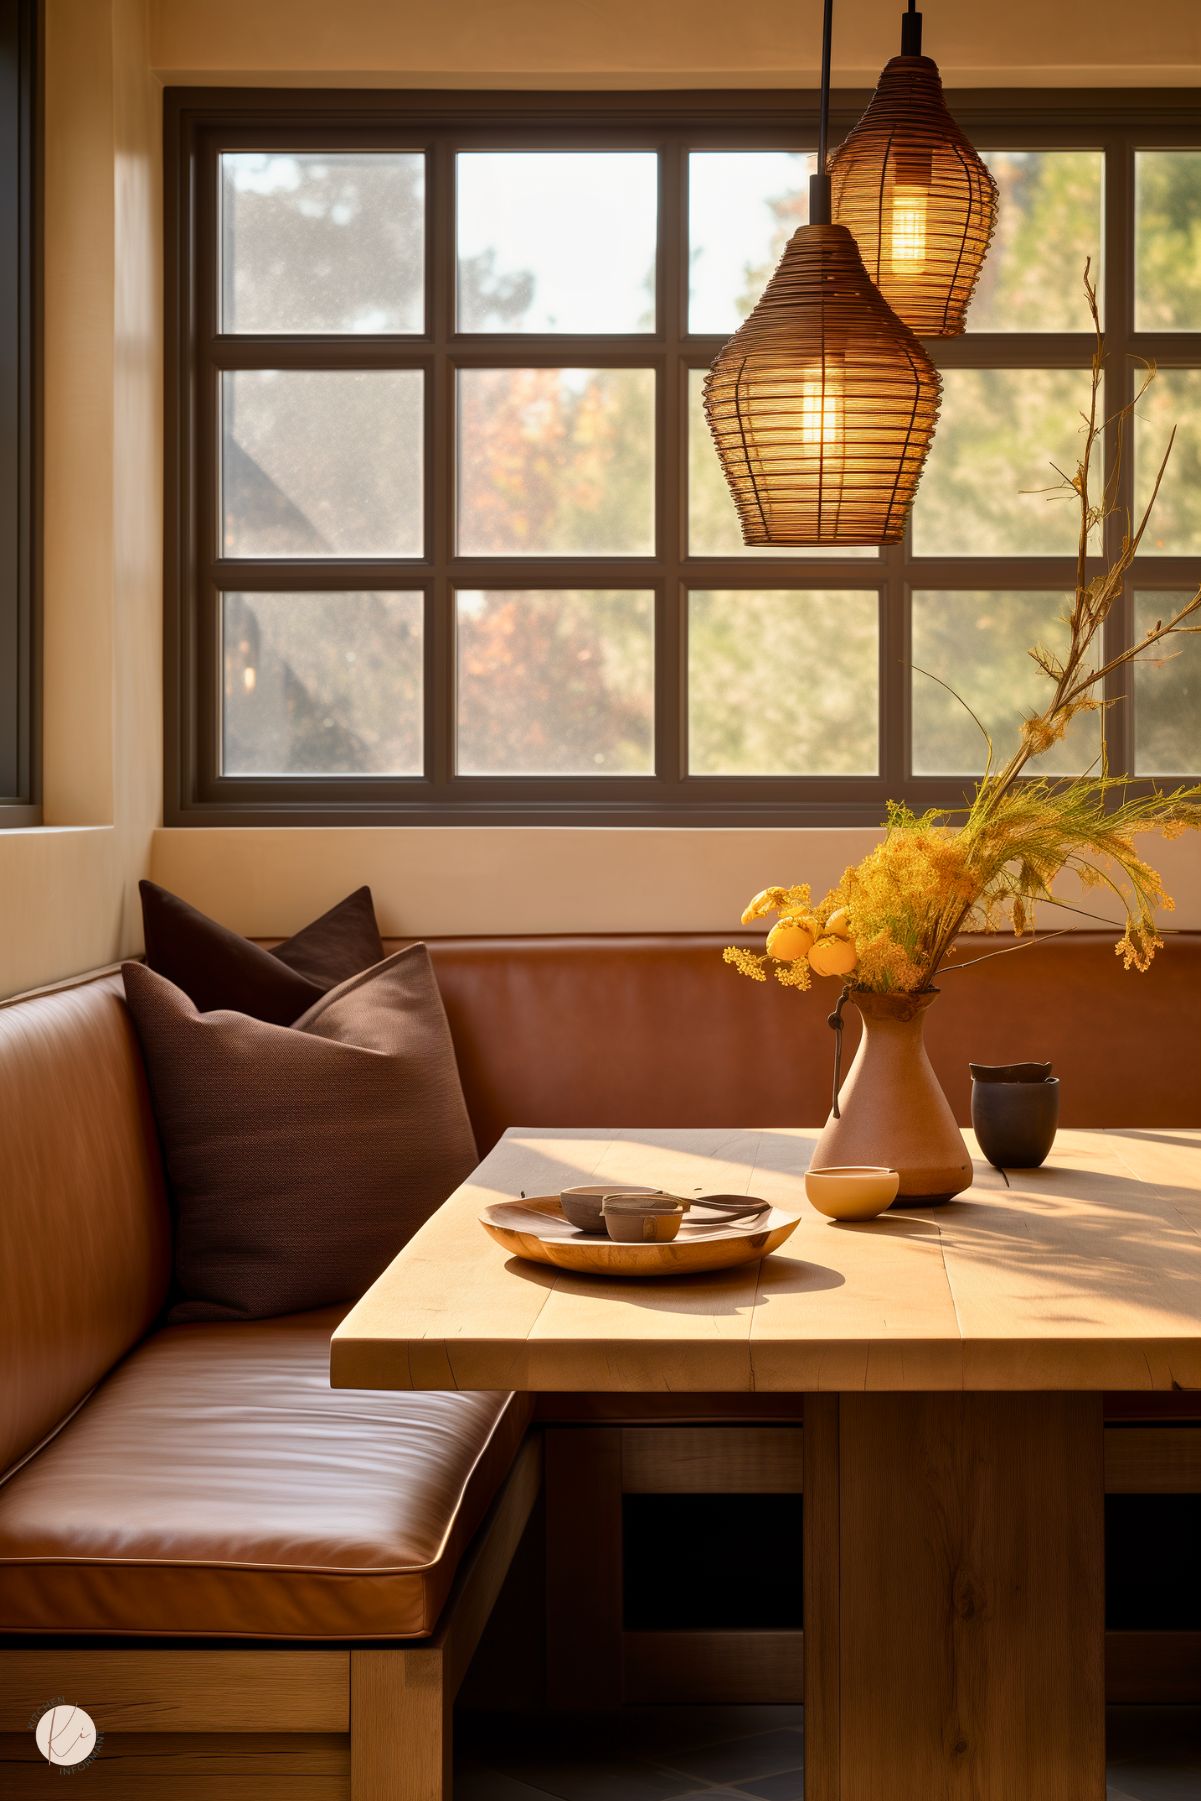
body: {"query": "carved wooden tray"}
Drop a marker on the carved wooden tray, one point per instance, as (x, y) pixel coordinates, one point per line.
(536, 1229)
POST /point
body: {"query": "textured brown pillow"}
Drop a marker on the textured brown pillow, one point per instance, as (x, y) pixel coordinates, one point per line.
(219, 968)
(302, 1158)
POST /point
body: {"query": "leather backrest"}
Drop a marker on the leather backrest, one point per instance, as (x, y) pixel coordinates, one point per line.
(84, 1234)
(656, 1031)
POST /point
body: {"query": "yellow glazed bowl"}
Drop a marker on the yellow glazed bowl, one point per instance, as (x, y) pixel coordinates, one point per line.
(855, 1192)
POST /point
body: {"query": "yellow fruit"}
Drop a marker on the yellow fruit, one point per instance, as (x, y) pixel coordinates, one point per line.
(788, 940)
(838, 925)
(832, 957)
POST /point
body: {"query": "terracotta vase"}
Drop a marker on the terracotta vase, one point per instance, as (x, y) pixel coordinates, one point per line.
(892, 1110)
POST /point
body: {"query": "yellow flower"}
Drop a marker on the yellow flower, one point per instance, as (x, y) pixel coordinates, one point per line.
(833, 957)
(793, 975)
(745, 962)
(789, 939)
(775, 900)
(887, 968)
(838, 925)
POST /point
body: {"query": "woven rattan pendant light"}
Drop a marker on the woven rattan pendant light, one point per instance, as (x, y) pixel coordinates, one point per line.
(823, 403)
(920, 202)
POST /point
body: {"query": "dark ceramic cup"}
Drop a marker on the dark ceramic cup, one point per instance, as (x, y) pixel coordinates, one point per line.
(1015, 1112)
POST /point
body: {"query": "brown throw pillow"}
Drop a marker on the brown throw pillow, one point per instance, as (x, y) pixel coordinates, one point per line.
(219, 968)
(302, 1158)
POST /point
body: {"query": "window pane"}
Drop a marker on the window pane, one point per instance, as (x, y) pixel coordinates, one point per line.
(557, 241)
(782, 683)
(1049, 223)
(998, 433)
(1167, 240)
(322, 684)
(556, 683)
(713, 529)
(321, 463)
(1173, 399)
(977, 644)
(743, 206)
(322, 243)
(1167, 694)
(556, 462)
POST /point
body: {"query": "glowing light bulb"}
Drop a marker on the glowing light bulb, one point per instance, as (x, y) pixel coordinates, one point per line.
(249, 678)
(821, 409)
(907, 231)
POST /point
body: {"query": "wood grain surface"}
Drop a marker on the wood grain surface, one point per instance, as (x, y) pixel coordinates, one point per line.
(1085, 1274)
(970, 1600)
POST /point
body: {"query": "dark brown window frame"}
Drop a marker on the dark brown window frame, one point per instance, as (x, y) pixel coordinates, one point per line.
(200, 124)
(20, 700)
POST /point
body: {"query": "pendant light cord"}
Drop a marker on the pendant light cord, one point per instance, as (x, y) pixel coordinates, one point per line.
(819, 183)
(911, 31)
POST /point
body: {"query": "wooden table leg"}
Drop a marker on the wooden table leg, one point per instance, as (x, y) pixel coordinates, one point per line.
(967, 1533)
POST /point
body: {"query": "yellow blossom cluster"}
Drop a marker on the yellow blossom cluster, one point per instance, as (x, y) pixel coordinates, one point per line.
(804, 941)
(887, 967)
(889, 923)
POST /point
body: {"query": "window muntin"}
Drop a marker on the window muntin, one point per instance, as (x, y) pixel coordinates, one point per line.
(513, 440)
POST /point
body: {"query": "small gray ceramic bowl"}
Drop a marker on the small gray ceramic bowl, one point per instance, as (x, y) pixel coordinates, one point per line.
(643, 1218)
(582, 1206)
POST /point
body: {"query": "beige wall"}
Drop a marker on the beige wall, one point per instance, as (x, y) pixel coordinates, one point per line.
(535, 879)
(669, 43)
(68, 890)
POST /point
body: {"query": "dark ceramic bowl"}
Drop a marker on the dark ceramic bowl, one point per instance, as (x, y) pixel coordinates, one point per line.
(1015, 1122)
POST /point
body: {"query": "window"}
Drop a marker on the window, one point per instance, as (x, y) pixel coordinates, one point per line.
(18, 659)
(448, 539)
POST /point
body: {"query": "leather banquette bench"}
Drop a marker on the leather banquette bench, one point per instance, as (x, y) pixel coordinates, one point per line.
(241, 1570)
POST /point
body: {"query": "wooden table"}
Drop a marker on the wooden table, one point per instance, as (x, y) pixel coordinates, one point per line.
(952, 1361)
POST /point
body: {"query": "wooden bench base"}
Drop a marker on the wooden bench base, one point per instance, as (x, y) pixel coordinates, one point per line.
(591, 1466)
(275, 1724)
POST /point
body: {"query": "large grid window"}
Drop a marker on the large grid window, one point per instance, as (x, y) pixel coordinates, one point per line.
(448, 538)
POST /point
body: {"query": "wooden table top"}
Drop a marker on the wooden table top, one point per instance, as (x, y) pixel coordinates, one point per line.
(1084, 1274)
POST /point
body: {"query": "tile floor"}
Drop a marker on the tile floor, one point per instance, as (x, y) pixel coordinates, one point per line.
(747, 1754)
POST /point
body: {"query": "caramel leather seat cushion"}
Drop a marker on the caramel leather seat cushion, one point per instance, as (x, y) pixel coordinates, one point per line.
(215, 1485)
